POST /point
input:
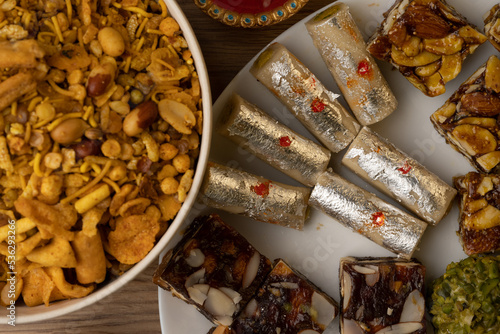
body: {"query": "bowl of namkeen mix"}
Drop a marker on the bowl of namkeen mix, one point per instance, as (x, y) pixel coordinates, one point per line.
(105, 128)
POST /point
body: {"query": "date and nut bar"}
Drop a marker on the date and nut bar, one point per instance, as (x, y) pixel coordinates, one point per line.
(468, 119)
(213, 268)
(492, 25)
(427, 41)
(382, 295)
(479, 228)
(286, 303)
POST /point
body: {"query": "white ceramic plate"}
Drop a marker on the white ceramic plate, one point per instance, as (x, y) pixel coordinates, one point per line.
(30, 314)
(316, 250)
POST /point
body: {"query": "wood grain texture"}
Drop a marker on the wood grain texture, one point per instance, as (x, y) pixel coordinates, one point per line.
(134, 308)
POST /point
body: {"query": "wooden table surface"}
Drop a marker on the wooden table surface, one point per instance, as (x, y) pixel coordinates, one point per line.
(134, 308)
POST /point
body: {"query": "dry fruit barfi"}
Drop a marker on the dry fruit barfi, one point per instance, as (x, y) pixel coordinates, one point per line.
(240, 192)
(286, 303)
(317, 108)
(479, 227)
(492, 26)
(468, 119)
(251, 128)
(427, 41)
(213, 268)
(340, 43)
(396, 174)
(363, 212)
(382, 295)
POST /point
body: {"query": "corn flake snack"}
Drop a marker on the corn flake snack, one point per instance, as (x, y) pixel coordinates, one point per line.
(100, 124)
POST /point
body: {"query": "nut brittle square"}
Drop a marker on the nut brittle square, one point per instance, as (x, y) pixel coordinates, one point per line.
(479, 228)
(468, 119)
(427, 41)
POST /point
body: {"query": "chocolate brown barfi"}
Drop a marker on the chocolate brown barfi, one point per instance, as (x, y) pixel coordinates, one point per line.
(382, 295)
(213, 268)
(286, 303)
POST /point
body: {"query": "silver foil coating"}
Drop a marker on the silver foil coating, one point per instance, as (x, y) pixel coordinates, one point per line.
(363, 212)
(343, 49)
(305, 96)
(254, 130)
(396, 174)
(240, 192)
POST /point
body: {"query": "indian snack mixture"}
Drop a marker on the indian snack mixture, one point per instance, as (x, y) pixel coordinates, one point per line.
(468, 119)
(466, 299)
(100, 115)
(427, 41)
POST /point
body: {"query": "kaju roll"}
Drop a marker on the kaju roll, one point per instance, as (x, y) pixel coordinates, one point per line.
(396, 174)
(303, 94)
(343, 49)
(254, 130)
(363, 212)
(240, 192)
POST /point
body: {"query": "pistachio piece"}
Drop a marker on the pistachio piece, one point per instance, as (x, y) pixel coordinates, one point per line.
(451, 65)
(178, 115)
(474, 139)
(445, 46)
(492, 74)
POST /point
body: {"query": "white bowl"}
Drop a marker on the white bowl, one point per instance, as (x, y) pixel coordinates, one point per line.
(26, 314)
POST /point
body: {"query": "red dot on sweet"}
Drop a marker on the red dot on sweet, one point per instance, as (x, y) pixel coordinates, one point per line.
(285, 141)
(317, 105)
(378, 218)
(364, 69)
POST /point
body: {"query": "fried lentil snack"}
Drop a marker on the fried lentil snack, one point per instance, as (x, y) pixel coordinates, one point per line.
(100, 123)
